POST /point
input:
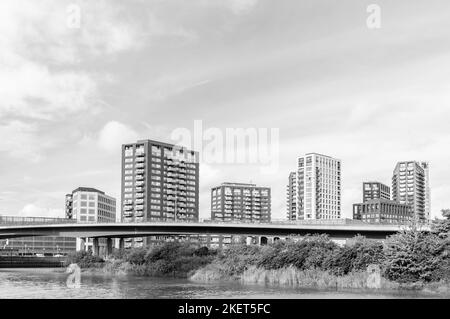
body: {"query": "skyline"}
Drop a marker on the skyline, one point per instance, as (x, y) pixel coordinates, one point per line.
(140, 70)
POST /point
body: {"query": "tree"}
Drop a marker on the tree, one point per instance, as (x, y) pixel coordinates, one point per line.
(414, 255)
(441, 227)
(446, 213)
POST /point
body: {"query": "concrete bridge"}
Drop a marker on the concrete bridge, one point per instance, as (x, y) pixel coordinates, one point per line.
(336, 229)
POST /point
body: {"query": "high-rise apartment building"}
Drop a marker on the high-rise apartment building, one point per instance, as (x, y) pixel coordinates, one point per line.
(237, 202)
(243, 202)
(375, 190)
(291, 196)
(160, 182)
(318, 187)
(426, 168)
(408, 187)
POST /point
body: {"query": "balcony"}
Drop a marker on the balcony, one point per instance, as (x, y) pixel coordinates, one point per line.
(140, 159)
(139, 177)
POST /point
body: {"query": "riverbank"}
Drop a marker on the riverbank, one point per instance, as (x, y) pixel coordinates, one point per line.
(409, 260)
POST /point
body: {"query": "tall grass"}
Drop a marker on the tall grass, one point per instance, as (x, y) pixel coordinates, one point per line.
(312, 278)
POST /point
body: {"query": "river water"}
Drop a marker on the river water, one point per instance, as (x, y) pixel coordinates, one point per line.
(51, 283)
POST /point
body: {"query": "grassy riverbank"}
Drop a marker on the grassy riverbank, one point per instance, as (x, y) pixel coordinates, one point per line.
(167, 260)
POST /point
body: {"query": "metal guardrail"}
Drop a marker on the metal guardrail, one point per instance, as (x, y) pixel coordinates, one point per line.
(17, 220)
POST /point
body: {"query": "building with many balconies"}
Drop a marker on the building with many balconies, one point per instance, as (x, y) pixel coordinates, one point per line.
(242, 202)
(160, 182)
(318, 187)
(238, 202)
(409, 187)
(291, 196)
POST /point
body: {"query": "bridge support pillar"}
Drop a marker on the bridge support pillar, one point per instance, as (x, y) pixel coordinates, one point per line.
(249, 240)
(121, 243)
(109, 246)
(95, 247)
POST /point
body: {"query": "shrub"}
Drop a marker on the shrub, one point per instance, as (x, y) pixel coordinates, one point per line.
(84, 259)
(308, 253)
(237, 258)
(136, 256)
(414, 255)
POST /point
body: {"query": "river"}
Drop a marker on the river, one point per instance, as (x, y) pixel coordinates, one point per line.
(51, 283)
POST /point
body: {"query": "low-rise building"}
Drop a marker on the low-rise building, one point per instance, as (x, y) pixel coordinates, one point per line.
(382, 211)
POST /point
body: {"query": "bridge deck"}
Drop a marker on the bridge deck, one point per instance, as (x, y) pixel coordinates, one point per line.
(341, 230)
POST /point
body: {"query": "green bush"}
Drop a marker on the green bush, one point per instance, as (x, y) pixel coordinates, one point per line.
(136, 256)
(84, 259)
(238, 257)
(414, 255)
(309, 252)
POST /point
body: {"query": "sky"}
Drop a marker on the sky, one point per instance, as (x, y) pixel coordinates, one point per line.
(73, 90)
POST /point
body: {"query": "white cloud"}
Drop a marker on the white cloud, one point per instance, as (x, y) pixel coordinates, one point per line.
(19, 141)
(31, 90)
(33, 210)
(114, 134)
(241, 6)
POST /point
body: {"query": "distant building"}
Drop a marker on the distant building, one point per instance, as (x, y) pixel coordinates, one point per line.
(426, 168)
(318, 187)
(45, 245)
(291, 196)
(90, 205)
(382, 211)
(242, 202)
(409, 187)
(160, 182)
(238, 202)
(69, 206)
(375, 190)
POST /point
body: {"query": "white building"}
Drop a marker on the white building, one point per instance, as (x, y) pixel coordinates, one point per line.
(318, 187)
(90, 205)
(410, 185)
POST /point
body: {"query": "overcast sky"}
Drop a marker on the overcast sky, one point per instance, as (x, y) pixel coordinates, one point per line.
(69, 97)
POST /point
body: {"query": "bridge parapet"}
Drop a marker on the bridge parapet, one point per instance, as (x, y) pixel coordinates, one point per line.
(19, 220)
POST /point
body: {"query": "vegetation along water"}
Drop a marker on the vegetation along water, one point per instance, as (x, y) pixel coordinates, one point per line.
(411, 259)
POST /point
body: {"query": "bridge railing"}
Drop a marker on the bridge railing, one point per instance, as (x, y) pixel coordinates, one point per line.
(18, 220)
